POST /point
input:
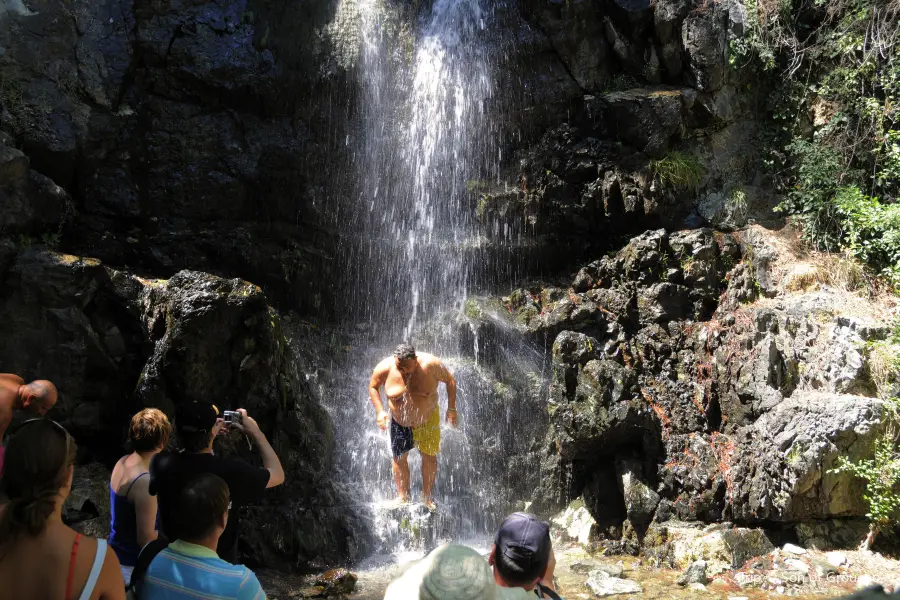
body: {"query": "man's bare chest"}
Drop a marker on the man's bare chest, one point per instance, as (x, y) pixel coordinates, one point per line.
(418, 383)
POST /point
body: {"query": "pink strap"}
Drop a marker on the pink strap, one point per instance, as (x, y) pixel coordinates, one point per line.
(72, 566)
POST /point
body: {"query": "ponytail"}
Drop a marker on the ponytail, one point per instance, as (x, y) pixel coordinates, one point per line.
(27, 515)
(35, 469)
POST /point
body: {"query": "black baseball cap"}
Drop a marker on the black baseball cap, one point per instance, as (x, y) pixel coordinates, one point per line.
(196, 416)
(524, 541)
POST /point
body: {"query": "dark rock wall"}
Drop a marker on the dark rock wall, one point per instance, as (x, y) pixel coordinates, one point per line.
(189, 134)
(114, 343)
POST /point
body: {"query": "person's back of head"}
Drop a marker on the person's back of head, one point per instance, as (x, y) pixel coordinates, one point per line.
(450, 572)
(39, 397)
(521, 550)
(203, 509)
(203, 505)
(37, 473)
(194, 422)
(149, 430)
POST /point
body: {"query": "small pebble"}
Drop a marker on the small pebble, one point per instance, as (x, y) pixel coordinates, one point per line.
(697, 587)
(780, 589)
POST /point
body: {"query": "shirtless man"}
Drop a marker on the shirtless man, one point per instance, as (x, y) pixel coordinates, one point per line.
(410, 383)
(36, 398)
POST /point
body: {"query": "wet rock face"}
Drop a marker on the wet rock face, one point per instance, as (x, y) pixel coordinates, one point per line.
(32, 204)
(171, 123)
(96, 331)
(647, 41)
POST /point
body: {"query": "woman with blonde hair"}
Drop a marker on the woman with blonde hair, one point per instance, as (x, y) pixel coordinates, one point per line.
(40, 557)
(133, 519)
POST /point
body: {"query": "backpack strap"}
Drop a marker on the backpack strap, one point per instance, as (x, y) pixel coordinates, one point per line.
(545, 592)
(146, 556)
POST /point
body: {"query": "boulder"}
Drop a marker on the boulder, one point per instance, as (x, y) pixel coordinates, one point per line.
(337, 582)
(603, 584)
(640, 499)
(575, 524)
(34, 207)
(745, 544)
(695, 574)
(793, 549)
(649, 119)
(836, 559)
(87, 508)
(791, 452)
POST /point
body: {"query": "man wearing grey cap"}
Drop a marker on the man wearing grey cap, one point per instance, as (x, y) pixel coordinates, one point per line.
(522, 556)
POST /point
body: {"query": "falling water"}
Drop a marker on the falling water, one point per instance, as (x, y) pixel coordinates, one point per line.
(424, 136)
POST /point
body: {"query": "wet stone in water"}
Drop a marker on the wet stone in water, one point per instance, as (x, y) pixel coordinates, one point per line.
(336, 581)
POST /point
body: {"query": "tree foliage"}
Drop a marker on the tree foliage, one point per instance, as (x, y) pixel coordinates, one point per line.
(836, 113)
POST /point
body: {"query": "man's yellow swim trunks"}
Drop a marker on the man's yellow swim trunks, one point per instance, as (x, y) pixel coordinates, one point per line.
(426, 437)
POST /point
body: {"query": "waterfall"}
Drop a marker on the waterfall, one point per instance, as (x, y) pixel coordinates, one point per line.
(424, 135)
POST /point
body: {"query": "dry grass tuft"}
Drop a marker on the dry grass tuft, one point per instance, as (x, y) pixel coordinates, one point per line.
(884, 366)
(838, 271)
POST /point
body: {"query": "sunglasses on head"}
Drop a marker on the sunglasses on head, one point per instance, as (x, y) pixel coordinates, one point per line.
(65, 432)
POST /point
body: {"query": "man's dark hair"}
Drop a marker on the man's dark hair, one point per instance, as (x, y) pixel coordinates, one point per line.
(194, 441)
(202, 503)
(513, 574)
(405, 352)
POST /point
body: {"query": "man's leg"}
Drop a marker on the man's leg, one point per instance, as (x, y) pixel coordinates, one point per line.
(400, 467)
(429, 473)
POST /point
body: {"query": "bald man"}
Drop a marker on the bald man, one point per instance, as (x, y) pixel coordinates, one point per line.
(35, 398)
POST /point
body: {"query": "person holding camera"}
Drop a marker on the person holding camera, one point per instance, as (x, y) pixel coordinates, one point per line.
(197, 424)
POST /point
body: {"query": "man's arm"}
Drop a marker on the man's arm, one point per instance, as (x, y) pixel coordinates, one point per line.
(442, 374)
(379, 377)
(269, 459)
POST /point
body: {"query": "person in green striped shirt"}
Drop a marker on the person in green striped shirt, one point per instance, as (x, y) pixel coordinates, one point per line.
(189, 568)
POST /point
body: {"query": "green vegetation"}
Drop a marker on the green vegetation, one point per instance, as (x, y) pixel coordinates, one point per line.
(472, 309)
(834, 67)
(882, 472)
(679, 170)
(882, 476)
(737, 203)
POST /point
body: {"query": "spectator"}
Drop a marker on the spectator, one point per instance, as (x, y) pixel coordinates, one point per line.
(39, 556)
(133, 519)
(523, 557)
(450, 572)
(35, 398)
(190, 568)
(197, 425)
